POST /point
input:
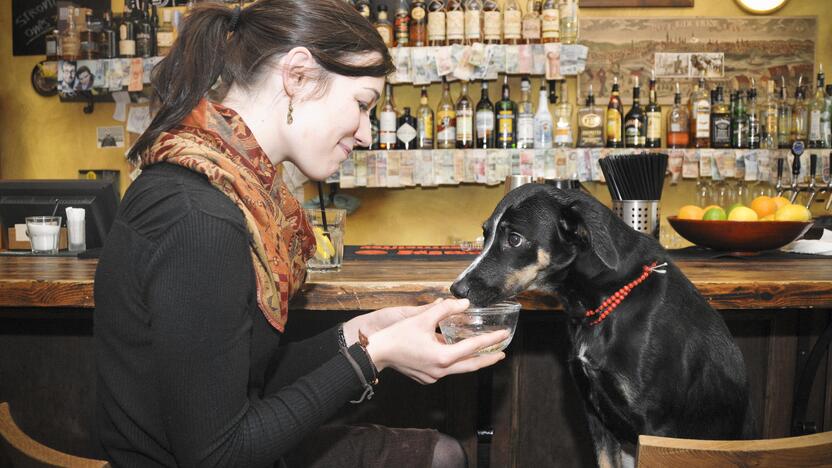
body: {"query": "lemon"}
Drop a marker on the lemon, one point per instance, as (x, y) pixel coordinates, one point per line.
(323, 246)
(715, 214)
(742, 213)
(792, 213)
(733, 207)
(690, 212)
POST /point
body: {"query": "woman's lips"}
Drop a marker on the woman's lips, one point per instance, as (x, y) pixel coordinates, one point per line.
(347, 149)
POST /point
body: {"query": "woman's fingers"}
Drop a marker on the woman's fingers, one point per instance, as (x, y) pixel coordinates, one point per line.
(446, 308)
(474, 363)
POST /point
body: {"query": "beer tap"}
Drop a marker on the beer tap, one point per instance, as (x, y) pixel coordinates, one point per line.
(778, 187)
(812, 188)
(797, 151)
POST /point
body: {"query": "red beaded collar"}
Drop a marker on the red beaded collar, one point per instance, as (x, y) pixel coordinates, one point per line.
(617, 298)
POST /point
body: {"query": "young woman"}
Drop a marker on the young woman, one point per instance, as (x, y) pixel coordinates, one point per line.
(193, 285)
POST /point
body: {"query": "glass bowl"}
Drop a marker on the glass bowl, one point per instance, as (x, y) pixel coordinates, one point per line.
(481, 320)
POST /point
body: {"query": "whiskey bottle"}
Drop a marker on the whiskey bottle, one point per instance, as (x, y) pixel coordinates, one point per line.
(635, 122)
(590, 123)
(424, 122)
(800, 116)
(739, 123)
(154, 30)
(52, 50)
(525, 116)
(401, 25)
(550, 21)
(70, 38)
(436, 23)
(720, 122)
(464, 119)
(678, 123)
(512, 23)
(88, 43)
(383, 26)
(563, 121)
(406, 132)
(455, 22)
(700, 112)
(492, 22)
(531, 23)
(484, 121)
(770, 113)
(615, 118)
(388, 121)
(141, 25)
(542, 122)
(569, 21)
(363, 7)
(754, 130)
(473, 21)
(418, 24)
(506, 118)
(126, 36)
(654, 117)
(445, 119)
(165, 35)
(784, 118)
(816, 109)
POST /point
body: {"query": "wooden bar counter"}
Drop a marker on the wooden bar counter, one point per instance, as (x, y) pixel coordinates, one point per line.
(523, 412)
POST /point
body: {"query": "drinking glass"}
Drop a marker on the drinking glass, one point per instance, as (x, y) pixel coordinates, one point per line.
(44, 233)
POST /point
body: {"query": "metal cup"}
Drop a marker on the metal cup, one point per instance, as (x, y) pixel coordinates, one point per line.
(514, 181)
(641, 215)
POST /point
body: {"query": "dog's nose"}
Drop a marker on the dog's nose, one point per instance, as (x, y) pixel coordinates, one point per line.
(460, 289)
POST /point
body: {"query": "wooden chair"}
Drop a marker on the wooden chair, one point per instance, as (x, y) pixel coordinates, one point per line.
(27, 452)
(810, 450)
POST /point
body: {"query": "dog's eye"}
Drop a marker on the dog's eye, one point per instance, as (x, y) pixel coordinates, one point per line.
(515, 239)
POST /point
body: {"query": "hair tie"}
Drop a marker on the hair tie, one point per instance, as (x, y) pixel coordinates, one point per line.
(235, 18)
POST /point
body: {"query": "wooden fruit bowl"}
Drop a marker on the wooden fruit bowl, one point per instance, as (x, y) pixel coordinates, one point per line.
(739, 236)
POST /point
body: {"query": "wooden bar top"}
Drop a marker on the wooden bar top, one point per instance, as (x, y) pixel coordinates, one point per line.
(368, 285)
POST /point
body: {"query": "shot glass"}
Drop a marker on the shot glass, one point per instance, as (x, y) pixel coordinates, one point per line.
(44, 233)
(329, 251)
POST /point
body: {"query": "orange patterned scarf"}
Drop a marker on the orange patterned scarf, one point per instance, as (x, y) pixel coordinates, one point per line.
(214, 141)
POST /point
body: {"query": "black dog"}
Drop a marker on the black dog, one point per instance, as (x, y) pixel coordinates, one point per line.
(662, 362)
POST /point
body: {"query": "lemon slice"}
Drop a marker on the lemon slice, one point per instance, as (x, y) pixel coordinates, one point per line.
(323, 246)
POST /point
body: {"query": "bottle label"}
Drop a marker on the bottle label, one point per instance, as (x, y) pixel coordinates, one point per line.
(406, 133)
(771, 124)
(436, 26)
(384, 32)
(613, 125)
(425, 124)
(402, 30)
(753, 130)
(387, 127)
(127, 47)
(633, 133)
(703, 120)
(446, 125)
(485, 123)
(51, 48)
(675, 127)
(505, 126)
(563, 132)
(542, 133)
(722, 130)
(491, 25)
(814, 126)
(550, 23)
(472, 25)
(531, 28)
(654, 125)
(456, 25)
(525, 128)
(417, 13)
(590, 121)
(465, 125)
(164, 39)
(122, 32)
(512, 22)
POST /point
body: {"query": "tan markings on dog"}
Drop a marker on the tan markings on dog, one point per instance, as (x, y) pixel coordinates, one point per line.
(525, 276)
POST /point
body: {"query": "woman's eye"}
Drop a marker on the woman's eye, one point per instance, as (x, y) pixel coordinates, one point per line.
(515, 239)
(363, 106)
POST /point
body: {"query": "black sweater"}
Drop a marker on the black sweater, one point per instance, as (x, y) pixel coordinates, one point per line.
(189, 371)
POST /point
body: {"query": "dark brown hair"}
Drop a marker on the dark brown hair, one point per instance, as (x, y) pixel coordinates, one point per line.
(206, 49)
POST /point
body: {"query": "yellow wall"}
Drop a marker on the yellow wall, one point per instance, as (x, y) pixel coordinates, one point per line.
(43, 138)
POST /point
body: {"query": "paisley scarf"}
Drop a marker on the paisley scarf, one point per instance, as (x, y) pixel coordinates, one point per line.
(214, 141)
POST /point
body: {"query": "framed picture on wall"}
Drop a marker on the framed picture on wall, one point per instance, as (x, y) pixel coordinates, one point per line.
(635, 3)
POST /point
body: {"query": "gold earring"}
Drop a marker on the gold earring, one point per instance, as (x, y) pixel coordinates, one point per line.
(289, 118)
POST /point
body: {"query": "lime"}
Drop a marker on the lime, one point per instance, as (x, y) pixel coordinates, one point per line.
(715, 214)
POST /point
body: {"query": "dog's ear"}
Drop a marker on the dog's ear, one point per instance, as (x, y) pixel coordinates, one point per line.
(584, 221)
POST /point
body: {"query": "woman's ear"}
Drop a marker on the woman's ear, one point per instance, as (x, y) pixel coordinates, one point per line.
(296, 69)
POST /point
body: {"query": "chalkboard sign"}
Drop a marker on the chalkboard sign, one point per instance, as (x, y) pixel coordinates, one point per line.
(33, 19)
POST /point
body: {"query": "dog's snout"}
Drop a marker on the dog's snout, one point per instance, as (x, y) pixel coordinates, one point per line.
(460, 289)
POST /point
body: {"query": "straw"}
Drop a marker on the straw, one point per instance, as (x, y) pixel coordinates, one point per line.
(55, 210)
(635, 177)
(323, 209)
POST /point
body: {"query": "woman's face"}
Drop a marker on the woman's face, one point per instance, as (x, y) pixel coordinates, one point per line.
(85, 78)
(325, 129)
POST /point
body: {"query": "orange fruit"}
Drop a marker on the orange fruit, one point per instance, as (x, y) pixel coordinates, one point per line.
(690, 212)
(764, 206)
(742, 213)
(781, 201)
(767, 218)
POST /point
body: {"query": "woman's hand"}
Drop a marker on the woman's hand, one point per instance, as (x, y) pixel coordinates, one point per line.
(412, 346)
(372, 322)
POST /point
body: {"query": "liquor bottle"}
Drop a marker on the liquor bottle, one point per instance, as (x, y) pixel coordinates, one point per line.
(464, 119)
(87, 37)
(363, 7)
(506, 110)
(436, 23)
(512, 23)
(563, 121)
(126, 35)
(700, 112)
(678, 123)
(816, 109)
(401, 25)
(70, 38)
(141, 25)
(418, 24)
(165, 35)
(445, 119)
(826, 120)
(406, 131)
(424, 122)
(531, 23)
(492, 22)
(484, 121)
(635, 122)
(720, 122)
(525, 116)
(154, 30)
(784, 118)
(52, 49)
(569, 21)
(542, 122)
(473, 21)
(800, 116)
(754, 126)
(590, 123)
(654, 117)
(375, 133)
(770, 113)
(388, 121)
(615, 118)
(383, 26)
(455, 22)
(739, 123)
(550, 21)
